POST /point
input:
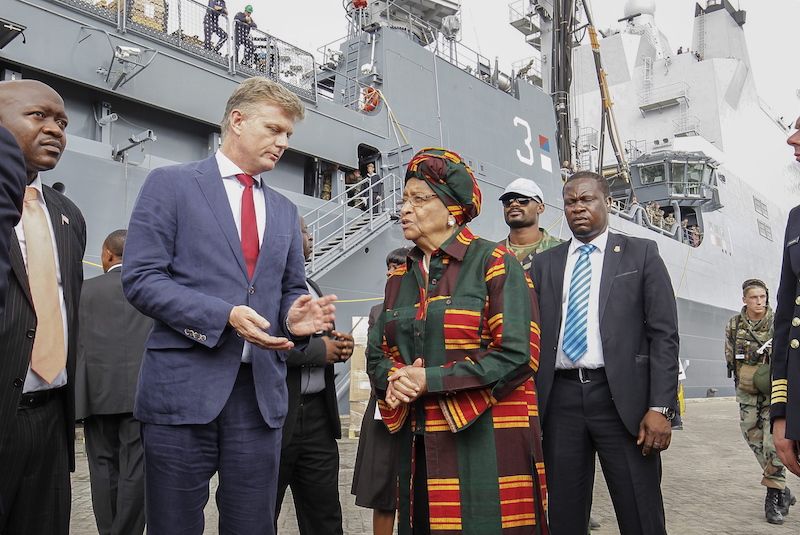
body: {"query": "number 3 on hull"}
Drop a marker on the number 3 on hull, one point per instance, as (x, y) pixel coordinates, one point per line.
(527, 160)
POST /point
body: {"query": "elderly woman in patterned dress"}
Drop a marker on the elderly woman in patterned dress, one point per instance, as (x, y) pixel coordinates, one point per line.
(453, 354)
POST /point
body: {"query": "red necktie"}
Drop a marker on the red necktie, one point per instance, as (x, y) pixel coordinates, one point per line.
(249, 226)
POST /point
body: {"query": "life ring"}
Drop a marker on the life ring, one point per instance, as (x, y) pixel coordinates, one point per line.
(372, 98)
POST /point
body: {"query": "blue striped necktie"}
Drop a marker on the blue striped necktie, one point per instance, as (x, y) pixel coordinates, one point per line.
(574, 342)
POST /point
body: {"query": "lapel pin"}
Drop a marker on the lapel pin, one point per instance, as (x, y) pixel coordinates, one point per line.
(64, 220)
(616, 249)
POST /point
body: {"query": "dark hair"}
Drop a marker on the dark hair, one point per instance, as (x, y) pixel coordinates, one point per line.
(601, 182)
(398, 256)
(115, 242)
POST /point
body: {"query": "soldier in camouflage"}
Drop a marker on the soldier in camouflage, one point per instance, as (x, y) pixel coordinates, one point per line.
(748, 339)
(522, 204)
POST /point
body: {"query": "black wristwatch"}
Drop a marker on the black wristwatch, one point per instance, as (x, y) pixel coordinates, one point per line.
(668, 412)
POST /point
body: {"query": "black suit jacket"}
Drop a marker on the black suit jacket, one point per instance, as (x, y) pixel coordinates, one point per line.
(312, 355)
(110, 348)
(638, 325)
(18, 321)
(12, 189)
(785, 361)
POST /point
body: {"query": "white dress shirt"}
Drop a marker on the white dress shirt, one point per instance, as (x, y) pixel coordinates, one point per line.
(234, 189)
(593, 358)
(33, 382)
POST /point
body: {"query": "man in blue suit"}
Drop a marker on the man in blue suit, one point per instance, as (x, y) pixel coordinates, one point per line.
(215, 257)
(12, 186)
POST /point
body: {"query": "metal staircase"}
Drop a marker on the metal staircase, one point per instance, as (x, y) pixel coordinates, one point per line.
(350, 220)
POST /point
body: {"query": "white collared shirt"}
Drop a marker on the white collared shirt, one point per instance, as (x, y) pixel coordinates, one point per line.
(594, 353)
(234, 189)
(33, 382)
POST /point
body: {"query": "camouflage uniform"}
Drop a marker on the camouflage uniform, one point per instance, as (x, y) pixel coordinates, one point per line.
(526, 253)
(754, 408)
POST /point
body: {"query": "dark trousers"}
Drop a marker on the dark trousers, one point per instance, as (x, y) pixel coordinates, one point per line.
(581, 419)
(181, 459)
(35, 492)
(210, 27)
(310, 465)
(116, 471)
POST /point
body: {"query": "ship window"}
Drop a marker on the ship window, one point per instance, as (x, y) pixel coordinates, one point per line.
(764, 230)
(678, 177)
(707, 175)
(652, 174)
(760, 206)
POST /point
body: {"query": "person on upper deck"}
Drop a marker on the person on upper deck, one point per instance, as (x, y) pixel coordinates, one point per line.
(243, 23)
(452, 357)
(211, 24)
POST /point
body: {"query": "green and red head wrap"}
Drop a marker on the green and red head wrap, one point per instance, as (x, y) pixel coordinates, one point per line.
(451, 179)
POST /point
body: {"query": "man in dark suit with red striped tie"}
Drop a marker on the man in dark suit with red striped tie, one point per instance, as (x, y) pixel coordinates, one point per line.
(215, 257)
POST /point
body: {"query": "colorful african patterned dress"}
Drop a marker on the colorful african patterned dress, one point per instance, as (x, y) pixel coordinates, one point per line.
(475, 325)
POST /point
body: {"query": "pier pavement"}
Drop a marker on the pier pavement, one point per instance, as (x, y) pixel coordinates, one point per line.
(711, 484)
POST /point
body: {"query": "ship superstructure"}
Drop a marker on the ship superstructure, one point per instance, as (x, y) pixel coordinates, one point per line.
(145, 86)
(700, 143)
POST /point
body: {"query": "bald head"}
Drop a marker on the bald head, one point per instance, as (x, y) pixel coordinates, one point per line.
(113, 248)
(35, 115)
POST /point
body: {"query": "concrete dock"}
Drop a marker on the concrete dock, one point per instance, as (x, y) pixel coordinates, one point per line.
(711, 484)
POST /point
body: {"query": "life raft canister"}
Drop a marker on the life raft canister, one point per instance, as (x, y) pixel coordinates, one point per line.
(371, 99)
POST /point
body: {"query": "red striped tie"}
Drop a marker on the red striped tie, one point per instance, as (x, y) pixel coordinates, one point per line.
(249, 226)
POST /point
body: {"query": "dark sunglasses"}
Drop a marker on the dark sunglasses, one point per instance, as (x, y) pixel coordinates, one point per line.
(522, 201)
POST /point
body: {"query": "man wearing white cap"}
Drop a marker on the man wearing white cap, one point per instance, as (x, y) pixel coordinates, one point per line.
(523, 202)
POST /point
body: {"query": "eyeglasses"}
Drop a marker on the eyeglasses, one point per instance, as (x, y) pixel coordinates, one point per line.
(522, 201)
(416, 200)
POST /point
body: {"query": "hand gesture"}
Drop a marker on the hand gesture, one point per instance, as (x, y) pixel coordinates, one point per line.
(308, 316)
(655, 433)
(338, 347)
(251, 326)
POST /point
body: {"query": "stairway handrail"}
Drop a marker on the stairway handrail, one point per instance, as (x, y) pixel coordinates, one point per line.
(337, 212)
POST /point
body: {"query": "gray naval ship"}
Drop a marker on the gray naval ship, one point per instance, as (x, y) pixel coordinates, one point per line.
(145, 83)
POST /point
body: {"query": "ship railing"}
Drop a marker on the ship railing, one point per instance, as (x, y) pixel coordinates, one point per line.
(463, 57)
(189, 25)
(262, 54)
(340, 225)
(186, 24)
(637, 214)
(529, 69)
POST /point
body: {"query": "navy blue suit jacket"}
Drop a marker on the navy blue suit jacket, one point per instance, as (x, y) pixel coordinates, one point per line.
(184, 268)
(12, 188)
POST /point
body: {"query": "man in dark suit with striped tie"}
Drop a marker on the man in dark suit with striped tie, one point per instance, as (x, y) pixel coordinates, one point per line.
(12, 186)
(38, 329)
(608, 368)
